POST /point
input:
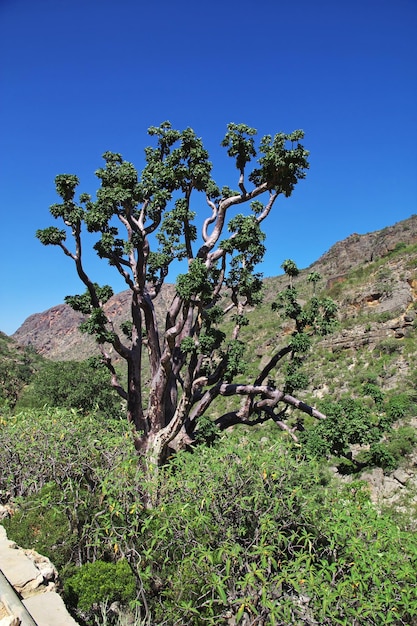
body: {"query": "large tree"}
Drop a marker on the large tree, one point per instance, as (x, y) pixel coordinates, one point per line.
(173, 211)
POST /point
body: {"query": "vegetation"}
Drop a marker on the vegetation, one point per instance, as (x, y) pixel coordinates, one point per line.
(17, 367)
(245, 531)
(352, 421)
(79, 385)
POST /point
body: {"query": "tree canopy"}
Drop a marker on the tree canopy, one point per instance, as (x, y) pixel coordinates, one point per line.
(174, 211)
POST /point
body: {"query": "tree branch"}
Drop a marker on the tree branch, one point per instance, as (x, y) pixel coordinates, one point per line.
(271, 397)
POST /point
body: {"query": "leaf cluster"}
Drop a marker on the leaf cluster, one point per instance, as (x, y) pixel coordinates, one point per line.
(316, 316)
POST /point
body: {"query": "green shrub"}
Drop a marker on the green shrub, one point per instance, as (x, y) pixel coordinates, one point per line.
(98, 582)
(381, 456)
(348, 422)
(370, 389)
(248, 527)
(41, 522)
(82, 385)
(402, 441)
(17, 367)
(388, 346)
(398, 407)
(81, 469)
(389, 453)
(207, 431)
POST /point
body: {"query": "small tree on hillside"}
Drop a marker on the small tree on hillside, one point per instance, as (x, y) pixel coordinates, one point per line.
(191, 360)
(314, 278)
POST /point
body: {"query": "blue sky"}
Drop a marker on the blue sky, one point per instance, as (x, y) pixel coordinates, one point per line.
(79, 77)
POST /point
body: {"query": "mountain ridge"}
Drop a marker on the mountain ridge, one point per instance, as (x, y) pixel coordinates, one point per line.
(55, 335)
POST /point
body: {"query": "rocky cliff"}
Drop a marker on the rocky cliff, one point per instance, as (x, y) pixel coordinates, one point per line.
(359, 249)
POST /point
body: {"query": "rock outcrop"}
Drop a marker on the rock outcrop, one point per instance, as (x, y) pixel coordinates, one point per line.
(359, 249)
(28, 588)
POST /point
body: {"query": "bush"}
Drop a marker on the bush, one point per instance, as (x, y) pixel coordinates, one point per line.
(244, 530)
(249, 528)
(82, 385)
(403, 440)
(389, 453)
(381, 456)
(81, 469)
(17, 367)
(372, 390)
(348, 422)
(41, 522)
(97, 583)
(388, 346)
(398, 407)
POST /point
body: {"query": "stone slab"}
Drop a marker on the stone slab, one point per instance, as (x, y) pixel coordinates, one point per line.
(48, 609)
(18, 569)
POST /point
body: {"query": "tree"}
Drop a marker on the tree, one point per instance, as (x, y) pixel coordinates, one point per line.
(291, 269)
(192, 362)
(314, 278)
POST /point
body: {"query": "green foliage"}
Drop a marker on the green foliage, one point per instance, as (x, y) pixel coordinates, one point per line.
(314, 278)
(316, 316)
(42, 522)
(245, 526)
(264, 534)
(381, 456)
(290, 268)
(398, 407)
(96, 325)
(38, 446)
(281, 166)
(389, 453)
(195, 282)
(17, 367)
(402, 441)
(287, 301)
(82, 385)
(98, 582)
(51, 236)
(370, 389)
(348, 422)
(127, 328)
(234, 359)
(82, 302)
(400, 246)
(240, 143)
(207, 432)
(294, 378)
(352, 421)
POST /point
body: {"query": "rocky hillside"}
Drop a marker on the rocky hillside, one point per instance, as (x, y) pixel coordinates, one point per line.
(364, 273)
(357, 250)
(54, 333)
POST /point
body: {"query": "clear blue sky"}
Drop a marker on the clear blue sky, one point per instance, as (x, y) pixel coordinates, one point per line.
(79, 77)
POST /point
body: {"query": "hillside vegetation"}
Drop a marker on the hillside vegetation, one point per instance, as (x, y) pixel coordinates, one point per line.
(259, 527)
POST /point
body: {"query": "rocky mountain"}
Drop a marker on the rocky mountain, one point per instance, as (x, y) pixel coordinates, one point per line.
(363, 273)
(359, 249)
(55, 333)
